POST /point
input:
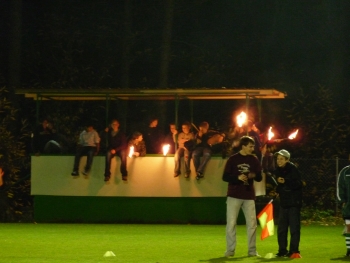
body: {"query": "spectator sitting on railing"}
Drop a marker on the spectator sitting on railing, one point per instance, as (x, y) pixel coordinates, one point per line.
(249, 129)
(89, 144)
(171, 138)
(234, 135)
(44, 139)
(253, 132)
(116, 142)
(202, 148)
(185, 136)
(205, 140)
(139, 145)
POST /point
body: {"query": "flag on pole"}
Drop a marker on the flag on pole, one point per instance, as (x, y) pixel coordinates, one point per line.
(266, 221)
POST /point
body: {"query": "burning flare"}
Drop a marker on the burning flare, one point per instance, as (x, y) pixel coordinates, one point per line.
(166, 148)
(270, 134)
(293, 135)
(241, 119)
(131, 151)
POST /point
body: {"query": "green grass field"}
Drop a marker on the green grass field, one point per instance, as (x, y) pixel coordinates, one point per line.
(74, 243)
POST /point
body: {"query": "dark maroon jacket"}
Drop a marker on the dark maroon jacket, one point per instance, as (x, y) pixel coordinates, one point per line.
(239, 164)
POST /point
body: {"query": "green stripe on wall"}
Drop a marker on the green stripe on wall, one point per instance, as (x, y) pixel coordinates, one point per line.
(88, 209)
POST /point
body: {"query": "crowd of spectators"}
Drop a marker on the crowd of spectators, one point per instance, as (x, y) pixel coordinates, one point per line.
(191, 142)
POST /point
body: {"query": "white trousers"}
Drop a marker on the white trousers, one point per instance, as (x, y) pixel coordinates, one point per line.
(233, 207)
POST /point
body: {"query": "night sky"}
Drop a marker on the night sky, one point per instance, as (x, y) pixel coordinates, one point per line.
(280, 44)
(284, 45)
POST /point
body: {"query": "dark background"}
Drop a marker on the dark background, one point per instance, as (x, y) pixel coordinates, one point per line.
(222, 43)
(298, 47)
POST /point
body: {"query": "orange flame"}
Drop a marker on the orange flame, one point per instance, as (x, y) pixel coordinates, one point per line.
(131, 151)
(293, 135)
(241, 119)
(270, 134)
(166, 148)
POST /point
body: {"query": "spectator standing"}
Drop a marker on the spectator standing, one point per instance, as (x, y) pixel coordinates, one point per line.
(89, 145)
(240, 171)
(289, 189)
(153, 137)
(254, 133)
(268, 182)
(116, 145)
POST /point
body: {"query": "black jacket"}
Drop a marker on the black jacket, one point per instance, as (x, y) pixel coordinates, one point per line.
(117, 142)
(290, 192)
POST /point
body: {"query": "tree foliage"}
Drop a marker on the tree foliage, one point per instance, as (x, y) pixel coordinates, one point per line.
(14, 136)
(321, 120)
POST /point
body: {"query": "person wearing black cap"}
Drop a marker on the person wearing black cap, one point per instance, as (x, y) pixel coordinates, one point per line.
(289, 190)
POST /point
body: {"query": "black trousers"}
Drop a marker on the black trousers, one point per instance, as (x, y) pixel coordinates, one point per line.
(109, 156)
(289, 218)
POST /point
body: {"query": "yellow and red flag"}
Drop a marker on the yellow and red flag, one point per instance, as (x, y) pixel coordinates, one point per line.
(266, 221)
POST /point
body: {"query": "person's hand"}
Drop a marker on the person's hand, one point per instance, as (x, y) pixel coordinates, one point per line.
(280, 180)
(243, 178)
(113, 151)
(137, 154)
(251, 175)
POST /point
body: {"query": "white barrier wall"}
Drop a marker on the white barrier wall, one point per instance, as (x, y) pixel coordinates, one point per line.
(147, 177)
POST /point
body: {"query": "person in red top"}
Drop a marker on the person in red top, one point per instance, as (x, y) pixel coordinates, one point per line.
(240, 172)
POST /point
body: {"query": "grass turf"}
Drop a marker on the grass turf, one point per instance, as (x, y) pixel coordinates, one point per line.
(68, 243)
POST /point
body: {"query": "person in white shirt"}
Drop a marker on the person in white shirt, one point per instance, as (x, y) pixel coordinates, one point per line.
(184, 136)
(89, 145)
